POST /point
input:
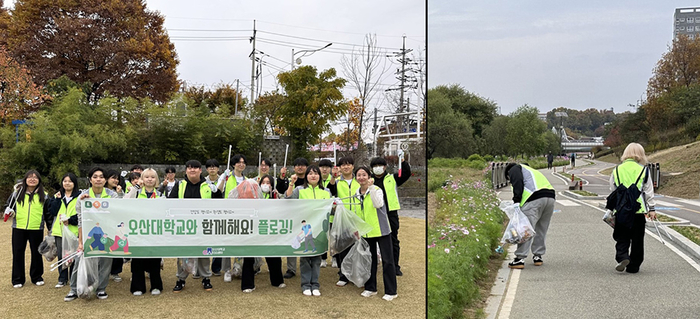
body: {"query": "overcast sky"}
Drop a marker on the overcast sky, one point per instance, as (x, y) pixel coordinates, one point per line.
(588, 54)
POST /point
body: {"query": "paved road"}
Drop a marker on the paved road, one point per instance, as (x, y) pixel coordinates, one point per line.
(594, 182)
(578, 279)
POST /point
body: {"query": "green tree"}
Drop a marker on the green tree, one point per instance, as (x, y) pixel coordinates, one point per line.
(118, 46)
(313, 102)
(19, 96)
(449, 133)
(480, 111)
(524, 132)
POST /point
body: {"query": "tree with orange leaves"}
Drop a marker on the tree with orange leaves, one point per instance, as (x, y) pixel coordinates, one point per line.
(19, 96)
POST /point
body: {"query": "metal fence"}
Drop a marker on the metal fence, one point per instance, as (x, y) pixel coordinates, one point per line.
(498, 176)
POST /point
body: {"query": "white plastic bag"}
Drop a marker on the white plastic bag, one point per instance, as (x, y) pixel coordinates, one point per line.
(609, 218)
(69, 244)
(347, 229)
(47, 248)
(88, 277)
(519, 229)
(296, 242)
(189, 264)
(357, 265)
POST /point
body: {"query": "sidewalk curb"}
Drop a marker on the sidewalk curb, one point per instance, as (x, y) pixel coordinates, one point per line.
(500, 287)
(581, 197)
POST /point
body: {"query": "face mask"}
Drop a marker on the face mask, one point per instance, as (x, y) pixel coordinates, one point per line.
(378, 170)
(265, 188)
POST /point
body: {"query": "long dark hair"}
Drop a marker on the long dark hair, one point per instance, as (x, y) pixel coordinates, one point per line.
(114, 173)
(39, 188)
(73, 179)
(313, 168)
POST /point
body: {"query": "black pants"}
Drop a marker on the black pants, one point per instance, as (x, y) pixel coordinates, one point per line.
(216, 265)
(63, 272)
(388, 268)
(117, 266)
(340, 257)
(19, 245)
(139, 267)
(394, 225)
(274, 264)
(549, 165)
(634, 237)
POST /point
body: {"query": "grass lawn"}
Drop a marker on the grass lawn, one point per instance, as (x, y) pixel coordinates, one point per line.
(584, 193)
(226, 300)
(692, 233)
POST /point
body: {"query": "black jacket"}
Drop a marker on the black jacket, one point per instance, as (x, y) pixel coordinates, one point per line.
(191, 190)
(515, 175)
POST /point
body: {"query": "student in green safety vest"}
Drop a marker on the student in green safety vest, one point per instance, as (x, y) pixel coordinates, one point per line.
(310, 267)
(134, 169)
(226, 183)
(373, 211)
(115, 182)
(389, 184)
(274, 264)
(63, 214)
(536, 197)
(344, 187)
(28, 210)
(285, 186)
(328, 182)
(193, 186)
(139, 266)
(629, 242)
(264, 168)
(97, 189)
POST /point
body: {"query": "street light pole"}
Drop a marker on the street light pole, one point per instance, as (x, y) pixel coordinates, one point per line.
(307, 52)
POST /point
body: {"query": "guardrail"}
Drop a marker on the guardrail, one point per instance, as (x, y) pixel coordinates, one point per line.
(498, 176)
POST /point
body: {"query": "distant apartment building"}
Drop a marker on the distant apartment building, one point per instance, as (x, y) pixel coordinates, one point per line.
(542, 117)
(687, 21)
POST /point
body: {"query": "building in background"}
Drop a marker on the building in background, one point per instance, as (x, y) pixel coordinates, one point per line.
(687, 21)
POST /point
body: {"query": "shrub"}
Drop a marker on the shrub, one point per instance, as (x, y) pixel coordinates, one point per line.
(475, 157)
(488, 158)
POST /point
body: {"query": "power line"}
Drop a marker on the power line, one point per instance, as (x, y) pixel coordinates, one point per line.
(323, 41)
(208, 30)
(293, 26)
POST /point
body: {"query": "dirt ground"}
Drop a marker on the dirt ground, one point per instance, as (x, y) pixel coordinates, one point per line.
(226, 300)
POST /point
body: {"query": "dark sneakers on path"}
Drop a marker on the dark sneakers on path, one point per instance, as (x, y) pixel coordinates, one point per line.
(621, 265)
(537, 260)
(179, 285)
(517, 263)
(206, 284)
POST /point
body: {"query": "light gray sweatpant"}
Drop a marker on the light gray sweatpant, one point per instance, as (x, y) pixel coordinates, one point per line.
(202, 268)
(539, 212)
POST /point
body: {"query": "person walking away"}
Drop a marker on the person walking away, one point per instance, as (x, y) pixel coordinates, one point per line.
(550, 160)
(633, 174)
(536, 197)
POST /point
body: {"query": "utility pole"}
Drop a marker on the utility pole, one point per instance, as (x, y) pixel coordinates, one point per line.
(401, 76)
(236, 113)
(252, 69)
(374, 134)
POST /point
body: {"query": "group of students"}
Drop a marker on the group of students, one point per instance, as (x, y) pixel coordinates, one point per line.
(369, 192)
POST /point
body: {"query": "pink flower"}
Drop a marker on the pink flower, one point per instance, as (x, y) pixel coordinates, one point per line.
(447, 250)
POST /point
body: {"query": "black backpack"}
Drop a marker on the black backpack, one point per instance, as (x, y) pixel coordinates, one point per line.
(623, 201)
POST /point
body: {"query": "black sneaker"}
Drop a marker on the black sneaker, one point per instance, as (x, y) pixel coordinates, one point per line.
(179, 285)
(537, 260)
(70, 296)
(517, 263)
(398, 272)
(102, 295)
(289, 274)
(621, 265)
(206, 284)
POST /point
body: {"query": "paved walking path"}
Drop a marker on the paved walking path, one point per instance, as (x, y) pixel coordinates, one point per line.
(578, 279)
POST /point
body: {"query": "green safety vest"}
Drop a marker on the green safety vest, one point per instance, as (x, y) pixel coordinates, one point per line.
(29, 214)
(69, 211)
(102, 195)
(128, 184)
(327, 181)
(231, 183)
(204, 190)
(313, 193)
(533, 181)
(629, 170)
(377, 218)
(345, 190)
(392, 195)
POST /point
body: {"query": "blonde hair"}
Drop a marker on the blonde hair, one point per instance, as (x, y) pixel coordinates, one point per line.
(634, 151)
(150, 170)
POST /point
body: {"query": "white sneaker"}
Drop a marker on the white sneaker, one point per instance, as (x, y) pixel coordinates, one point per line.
(17, 286)
(39, 283)
(60, 285)
(116, 278)
(227, 276)
(316, 292)
(335, 263)
(324, 264)
(155, 292)
(307, 292)
(248, 290)
(341, 283)
(368, 293)
(138, 293)
(389, 297)
(282, 285)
